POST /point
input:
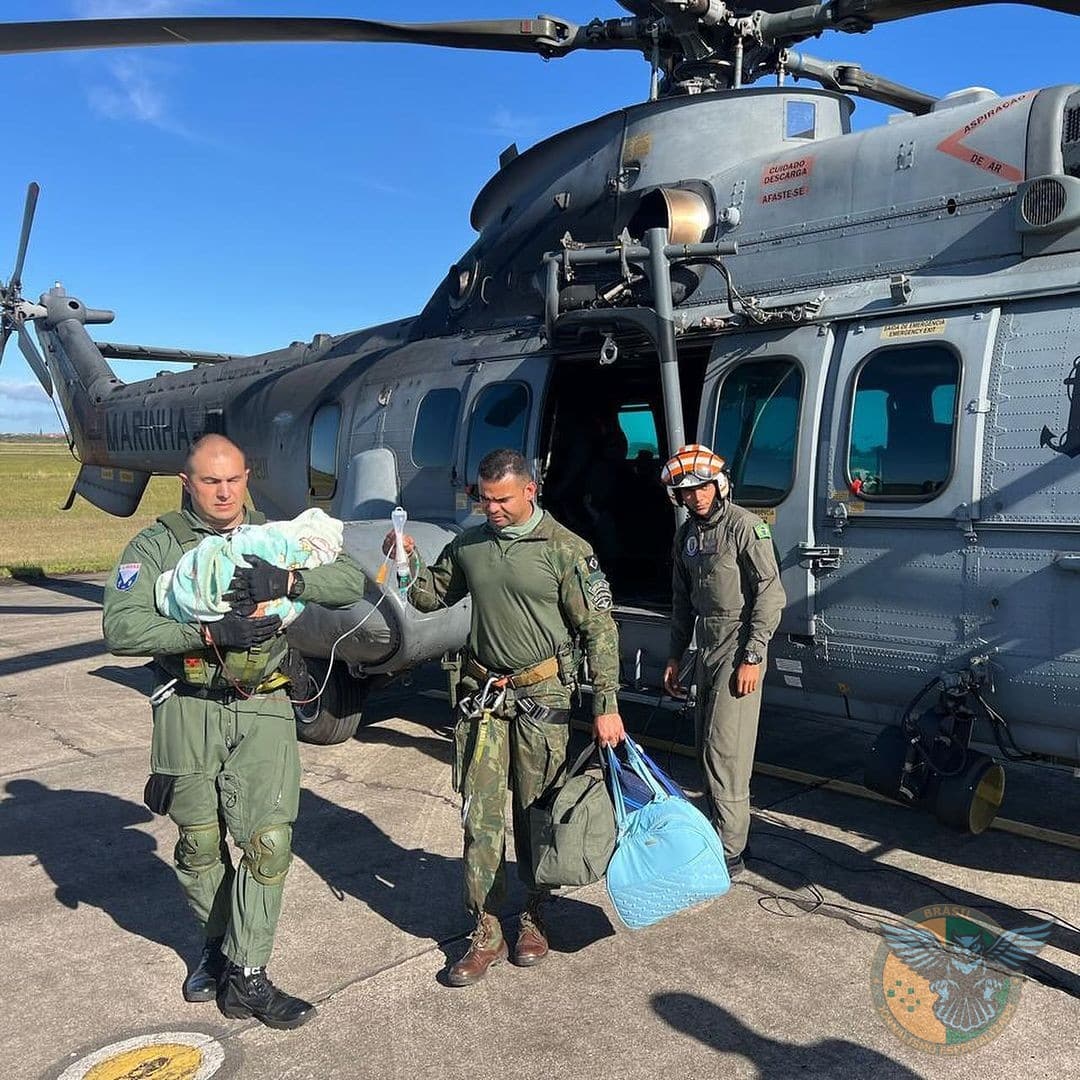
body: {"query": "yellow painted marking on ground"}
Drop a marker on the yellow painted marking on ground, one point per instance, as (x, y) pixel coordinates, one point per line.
(160, 1061)
(166, 1055)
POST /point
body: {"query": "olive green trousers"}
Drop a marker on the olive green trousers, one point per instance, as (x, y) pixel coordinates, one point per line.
(726, 728)
(237, 772)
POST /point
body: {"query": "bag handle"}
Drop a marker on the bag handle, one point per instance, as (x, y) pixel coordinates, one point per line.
(614, 768)
(669, 785)
(636, 760)
(636, 766)
(583, 757)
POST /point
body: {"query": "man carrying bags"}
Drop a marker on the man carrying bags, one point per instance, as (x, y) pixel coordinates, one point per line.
(536, 589)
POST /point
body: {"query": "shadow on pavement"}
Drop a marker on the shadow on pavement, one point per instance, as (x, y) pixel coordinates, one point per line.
(415, 890)
(774, 1059)
(47, 657)
(41, 609)
(84, 841)
(795, 862)
(143, 678)
(84, 590)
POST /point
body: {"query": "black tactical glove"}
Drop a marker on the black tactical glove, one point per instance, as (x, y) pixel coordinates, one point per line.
(256, 583)
(234, 631)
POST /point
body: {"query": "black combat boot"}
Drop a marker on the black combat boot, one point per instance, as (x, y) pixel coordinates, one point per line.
(255, 995)
(202, 982)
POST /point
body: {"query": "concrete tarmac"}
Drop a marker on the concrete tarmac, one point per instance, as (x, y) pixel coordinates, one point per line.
(774, 980)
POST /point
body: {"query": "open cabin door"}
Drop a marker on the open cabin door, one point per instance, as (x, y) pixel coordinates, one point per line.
(604, 440)
(761, 410)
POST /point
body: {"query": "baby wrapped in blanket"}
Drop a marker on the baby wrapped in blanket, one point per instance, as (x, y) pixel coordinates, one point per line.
(194, 591)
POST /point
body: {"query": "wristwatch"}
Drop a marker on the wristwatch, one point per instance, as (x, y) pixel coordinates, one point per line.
(297, 587)
(751, 657)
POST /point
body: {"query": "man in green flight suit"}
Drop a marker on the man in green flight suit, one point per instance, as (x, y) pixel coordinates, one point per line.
(536, 590)
(725, 576)
(223, 755)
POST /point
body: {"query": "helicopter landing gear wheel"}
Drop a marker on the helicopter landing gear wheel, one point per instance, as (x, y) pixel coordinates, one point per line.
(335, 717)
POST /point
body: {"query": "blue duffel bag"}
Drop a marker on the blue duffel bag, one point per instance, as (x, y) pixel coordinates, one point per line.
(667, 855)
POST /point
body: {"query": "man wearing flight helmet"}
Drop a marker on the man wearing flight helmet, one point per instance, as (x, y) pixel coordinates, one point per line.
(725, 576)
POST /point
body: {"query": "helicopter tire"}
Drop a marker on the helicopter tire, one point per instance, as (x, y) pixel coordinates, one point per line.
(340, 709)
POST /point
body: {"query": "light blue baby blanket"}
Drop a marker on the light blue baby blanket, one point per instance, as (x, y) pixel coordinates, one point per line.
(194, 590)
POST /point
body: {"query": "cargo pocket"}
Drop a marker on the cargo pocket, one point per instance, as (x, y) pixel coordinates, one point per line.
(255, 794)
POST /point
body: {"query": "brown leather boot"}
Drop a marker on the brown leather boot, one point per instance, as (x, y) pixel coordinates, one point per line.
(532, 945)
(487, 947)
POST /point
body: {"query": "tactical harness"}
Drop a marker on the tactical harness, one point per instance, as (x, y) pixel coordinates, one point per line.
(228, 675)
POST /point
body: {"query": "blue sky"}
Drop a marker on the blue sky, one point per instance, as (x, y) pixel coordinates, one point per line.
(237, 198)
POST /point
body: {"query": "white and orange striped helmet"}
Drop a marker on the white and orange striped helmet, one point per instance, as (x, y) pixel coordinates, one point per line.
(693, 466)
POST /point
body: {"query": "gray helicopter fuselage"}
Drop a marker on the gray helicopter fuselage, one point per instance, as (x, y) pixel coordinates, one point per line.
(889, 371)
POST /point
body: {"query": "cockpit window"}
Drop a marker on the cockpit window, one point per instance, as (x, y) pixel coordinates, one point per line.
(757, 426)
(903, 423)
(499, 421)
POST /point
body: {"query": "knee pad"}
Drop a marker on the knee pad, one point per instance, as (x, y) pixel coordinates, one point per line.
(268, 854)
(199, 847)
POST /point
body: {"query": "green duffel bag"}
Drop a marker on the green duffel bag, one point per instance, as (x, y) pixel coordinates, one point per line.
(573, 828)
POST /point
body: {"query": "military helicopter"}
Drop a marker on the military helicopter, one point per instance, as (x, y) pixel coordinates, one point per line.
(880, 331)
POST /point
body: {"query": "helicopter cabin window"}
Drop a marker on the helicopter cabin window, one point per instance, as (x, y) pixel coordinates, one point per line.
(322, 451)
(756, 432)
(639, 427)
(436, 422)
(903, 423)
(499, 420)
(799, 120)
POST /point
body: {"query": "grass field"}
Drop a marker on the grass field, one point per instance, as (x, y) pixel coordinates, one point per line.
(36, 536)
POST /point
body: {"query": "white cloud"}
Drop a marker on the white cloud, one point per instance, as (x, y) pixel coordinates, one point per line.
(25, 408)
(132, 94)
(21, 391)
(135, 86)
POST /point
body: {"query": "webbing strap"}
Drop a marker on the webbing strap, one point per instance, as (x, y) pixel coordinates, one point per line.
(181, 529)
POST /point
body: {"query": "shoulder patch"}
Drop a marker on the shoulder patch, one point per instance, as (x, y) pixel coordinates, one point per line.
(594, 585)
(762, 530)
(126, 575)
(692, 545)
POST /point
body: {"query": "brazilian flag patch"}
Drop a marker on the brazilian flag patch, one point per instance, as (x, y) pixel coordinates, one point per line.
(762, 531)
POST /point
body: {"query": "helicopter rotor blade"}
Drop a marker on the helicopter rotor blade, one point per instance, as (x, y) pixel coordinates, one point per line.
(546, 35)
(857, 16)
(851, 78)
(33, 358)
(14, 284)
